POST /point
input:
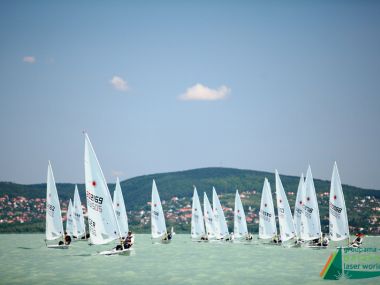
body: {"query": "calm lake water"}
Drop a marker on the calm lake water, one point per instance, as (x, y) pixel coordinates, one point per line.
(26, 260)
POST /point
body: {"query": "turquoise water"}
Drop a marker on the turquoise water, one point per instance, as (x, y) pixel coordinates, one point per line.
(26, 260)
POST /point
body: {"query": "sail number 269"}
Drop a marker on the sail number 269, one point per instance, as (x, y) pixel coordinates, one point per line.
(94, 202)
(94, 198)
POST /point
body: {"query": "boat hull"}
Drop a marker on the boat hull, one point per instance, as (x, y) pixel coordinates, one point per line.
(113, 251)
(56, 246)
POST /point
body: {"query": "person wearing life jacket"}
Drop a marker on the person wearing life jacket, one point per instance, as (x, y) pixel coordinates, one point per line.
(204, 237)
(129, 240)
(167, 235)
(126, 242)
(230, 237)
(276, 239)
(67, 239)
(357, 242)
(325, 240)
(248, 237)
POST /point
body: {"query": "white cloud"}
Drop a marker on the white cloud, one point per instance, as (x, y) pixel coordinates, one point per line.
(201, 92)
(119, 83)
(117, 173)
(29, 59)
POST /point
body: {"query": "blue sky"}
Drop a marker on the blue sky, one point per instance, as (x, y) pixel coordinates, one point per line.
(172, 85)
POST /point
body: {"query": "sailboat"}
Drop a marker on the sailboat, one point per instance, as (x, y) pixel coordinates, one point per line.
(79, 226)
(240, 222)
(197, 223)
(221, 228)
(338, 227)
(298, 208)
(209, 218)
(119, 206)
(267, 219)
(311, 224)
(70, 220)
(102, 221)
(285, 218)
(157, 218)
(54, 226)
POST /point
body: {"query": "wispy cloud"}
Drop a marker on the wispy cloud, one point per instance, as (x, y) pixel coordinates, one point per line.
(119, 83)
(29, 59)
(117, 173)
(201, 92)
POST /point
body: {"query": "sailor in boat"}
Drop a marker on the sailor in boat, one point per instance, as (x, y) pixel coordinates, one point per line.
(276, 239)
(230, 237)
(322, 241)
(248, 237)
(87, 236)
(298, 241)
(167, 235)
(67, 239)
(357, 242)
(129, 240)
(315, 241)
(204, 237)
(126, 242)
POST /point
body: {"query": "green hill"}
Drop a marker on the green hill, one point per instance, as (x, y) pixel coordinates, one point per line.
(137, 190)
(363, 204)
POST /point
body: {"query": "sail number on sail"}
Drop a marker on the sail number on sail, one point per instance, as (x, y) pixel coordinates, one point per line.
(50, 209)
(91, 225)
(95, 202)
(266, 216)
(336, 209)
(308, 211)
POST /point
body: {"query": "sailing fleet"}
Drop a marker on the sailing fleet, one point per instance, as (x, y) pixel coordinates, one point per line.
(108, 221)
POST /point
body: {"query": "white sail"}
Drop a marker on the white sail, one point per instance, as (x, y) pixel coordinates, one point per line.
(285, 218)
(79, 227)
(311, 223)
(54, 226)
(157, 214)
(103, 226)
(209, 217)
(70, 219)
(267, 220)
(119, 206)
(298, 207)
(197, 223)
(337, 209)
(240, 222)
(221, 228)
